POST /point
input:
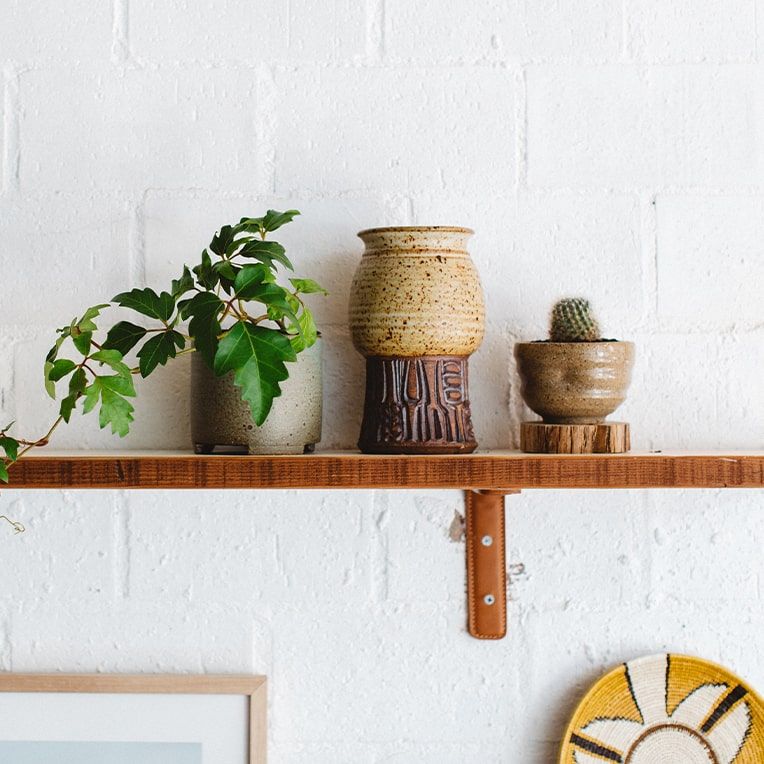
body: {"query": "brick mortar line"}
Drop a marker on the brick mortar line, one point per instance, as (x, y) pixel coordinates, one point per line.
(521, 131)
(136, 245)
(11, 159)
(141, 64)
(266, 130)
(120, 44)
(123, 543)
(375, 31)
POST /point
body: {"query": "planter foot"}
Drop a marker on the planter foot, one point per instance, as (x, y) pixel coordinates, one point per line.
(597, 438)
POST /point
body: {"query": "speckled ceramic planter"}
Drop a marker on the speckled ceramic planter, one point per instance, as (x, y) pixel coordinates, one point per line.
(574, 382)
(221, 420)
(416, 313)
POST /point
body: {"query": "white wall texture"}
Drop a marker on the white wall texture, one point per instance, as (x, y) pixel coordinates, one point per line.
(614, 149)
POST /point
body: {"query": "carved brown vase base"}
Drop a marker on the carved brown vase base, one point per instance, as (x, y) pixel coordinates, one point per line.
(417, 406)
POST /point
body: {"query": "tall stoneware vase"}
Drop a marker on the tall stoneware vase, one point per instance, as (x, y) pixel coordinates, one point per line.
(417, 314)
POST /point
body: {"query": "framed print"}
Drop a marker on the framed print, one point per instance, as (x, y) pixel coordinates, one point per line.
(123, 719)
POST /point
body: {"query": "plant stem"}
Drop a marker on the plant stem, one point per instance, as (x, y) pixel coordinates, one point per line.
(43, 441)
(15, 524)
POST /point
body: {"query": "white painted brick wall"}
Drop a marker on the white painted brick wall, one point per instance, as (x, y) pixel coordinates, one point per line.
(103, 140)
(627, 126)
(668, 31)
(613, 149)
(234, 31)
(348, 129)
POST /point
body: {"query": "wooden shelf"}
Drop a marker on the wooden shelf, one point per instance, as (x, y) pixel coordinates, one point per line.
(485, 478)
(494, 470)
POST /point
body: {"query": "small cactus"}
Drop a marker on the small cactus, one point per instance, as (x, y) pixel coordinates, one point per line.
(572, 321)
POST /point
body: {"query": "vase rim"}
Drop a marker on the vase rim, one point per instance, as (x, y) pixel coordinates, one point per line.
(578, 343)
(416, 229)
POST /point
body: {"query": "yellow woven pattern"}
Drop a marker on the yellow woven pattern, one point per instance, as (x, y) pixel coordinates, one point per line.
(672, 699)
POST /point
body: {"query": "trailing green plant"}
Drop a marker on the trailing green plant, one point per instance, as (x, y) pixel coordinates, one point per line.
(229, 308)
(572, 321)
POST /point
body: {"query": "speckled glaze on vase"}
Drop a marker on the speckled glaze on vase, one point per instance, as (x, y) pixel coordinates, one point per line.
(416, 313)
(574, 382)
(221, 419)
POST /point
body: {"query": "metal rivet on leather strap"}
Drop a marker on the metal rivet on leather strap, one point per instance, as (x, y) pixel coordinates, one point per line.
(489, 599)
(486, 540)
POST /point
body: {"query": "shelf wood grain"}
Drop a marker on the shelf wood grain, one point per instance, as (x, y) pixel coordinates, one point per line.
(495, 470)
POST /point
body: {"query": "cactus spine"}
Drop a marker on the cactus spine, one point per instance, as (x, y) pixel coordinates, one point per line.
(572, 321)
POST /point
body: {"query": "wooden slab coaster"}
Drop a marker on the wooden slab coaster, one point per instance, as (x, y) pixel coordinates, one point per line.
(601, 438)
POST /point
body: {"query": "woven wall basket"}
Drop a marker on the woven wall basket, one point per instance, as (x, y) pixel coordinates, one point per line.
(667, 709)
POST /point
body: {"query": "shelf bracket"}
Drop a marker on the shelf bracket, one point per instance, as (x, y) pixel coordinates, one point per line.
(486, 563)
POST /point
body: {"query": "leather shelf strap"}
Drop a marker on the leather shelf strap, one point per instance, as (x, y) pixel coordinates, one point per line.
(486, 565)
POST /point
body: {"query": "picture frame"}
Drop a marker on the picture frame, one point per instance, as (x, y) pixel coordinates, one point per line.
(199, 719)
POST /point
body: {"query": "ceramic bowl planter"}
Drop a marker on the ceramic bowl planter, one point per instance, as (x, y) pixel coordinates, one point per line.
(573, 381)
(221, 419)
(416, 314)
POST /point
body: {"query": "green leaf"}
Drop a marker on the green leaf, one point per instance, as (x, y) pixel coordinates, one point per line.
(60, 369)
(274, 219)
(83, 341)
(207, 277)
(182, 285)
(81, 332)
(86, 324)
(307, 286)
(115, 383)
(92, 395)
(53, 352)
(3, 473)
(112, 392)
(11, 448)
(77, 385)
(50, 387)
(204, 327)
(182, 306)
(123, 337)
(68, 405)
(116, 411)
(256, 355)
(249, 278)
(236, 243)
(277, 300)
(148, 302)
(159, 350)
(113, 359)
(266, 252)
(225, 269)
(271, 221)
(220, 241)
(78, 382)
(309, 334)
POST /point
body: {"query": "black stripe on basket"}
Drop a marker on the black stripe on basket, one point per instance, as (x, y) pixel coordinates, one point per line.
(729, 700)
(632, 693)
(596, 748)
(666, 683)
